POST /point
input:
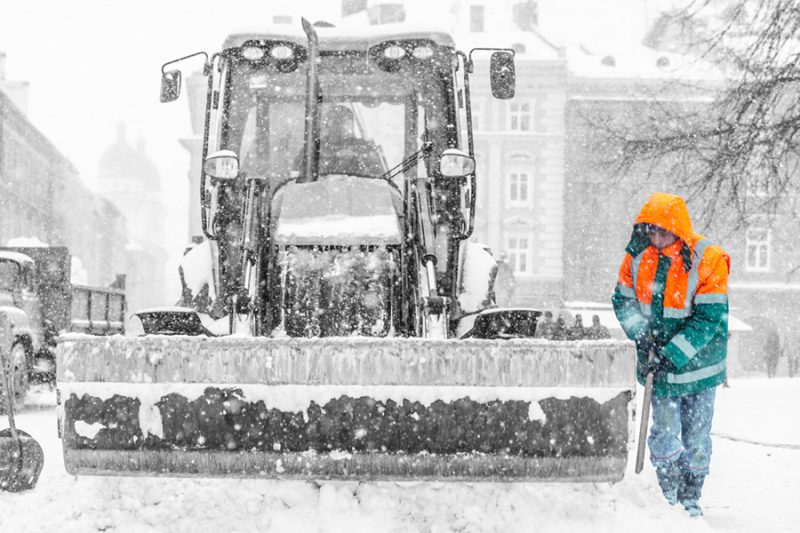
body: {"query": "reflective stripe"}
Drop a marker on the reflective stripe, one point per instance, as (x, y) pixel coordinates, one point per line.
(694, 273)
(711, 298)
(684, 345)
(647, 309)
(626, 291)
(671, 312)
(635, 269)
(697, 375)
(632, 321)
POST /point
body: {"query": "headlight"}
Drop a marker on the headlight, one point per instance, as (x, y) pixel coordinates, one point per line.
(281, 52)
(394, 52)
(252, 53)
(456, 164)
(422, 52)
(223, 165)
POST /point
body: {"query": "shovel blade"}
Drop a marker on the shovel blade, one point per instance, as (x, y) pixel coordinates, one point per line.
(21, 461)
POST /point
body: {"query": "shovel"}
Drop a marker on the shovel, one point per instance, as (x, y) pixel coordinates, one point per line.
(21, 457)
(645, 418)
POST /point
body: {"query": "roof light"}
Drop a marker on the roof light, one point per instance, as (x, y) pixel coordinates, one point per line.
(422, 52)
(394, 52)
(282, 51)
(252, 52)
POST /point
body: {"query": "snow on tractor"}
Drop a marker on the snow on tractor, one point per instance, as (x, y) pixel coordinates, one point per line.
(326, 325)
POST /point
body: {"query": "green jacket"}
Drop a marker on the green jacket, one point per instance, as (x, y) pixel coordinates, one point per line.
(679, 295)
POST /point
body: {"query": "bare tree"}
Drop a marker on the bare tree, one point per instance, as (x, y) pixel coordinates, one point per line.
(738, 150)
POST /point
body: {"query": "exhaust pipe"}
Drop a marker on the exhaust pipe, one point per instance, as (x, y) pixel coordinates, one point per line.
(311, 151)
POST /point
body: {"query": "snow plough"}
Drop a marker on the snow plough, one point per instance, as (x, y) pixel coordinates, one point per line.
(337, 322)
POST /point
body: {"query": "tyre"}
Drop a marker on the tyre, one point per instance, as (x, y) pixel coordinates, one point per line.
(20, 375)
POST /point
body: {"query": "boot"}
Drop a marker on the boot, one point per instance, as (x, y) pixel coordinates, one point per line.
(669, 478)
(689, 490)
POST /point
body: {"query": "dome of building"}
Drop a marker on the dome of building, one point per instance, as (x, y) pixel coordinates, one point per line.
(123, 162)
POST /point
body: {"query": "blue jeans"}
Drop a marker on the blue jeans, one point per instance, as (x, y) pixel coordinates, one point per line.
(681, 431)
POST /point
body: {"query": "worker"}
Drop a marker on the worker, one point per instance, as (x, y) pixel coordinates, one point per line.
(772, 351)
(545, 327)
(341, 150)
(672, 300)
(576, 331)
(597, 330)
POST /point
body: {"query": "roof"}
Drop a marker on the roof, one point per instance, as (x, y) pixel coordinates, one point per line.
(123, 161)
(638, 61)
(342, 38)
(15, 256)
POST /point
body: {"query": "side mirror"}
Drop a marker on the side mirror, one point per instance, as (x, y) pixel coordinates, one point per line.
(502, 73)
(170, 85)
(456, 164)
(223, 165)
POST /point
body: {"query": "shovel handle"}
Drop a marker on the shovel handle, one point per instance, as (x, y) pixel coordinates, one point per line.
(644, 418)
(6, 340)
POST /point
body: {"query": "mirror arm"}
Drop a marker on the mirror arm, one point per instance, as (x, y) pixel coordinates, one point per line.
(410, 161)
(510, 50)
(206, 64)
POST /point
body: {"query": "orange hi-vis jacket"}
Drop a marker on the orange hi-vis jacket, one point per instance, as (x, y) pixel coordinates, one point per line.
(679, 295)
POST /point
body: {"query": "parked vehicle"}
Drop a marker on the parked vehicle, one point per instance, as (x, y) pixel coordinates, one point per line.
(40, 302)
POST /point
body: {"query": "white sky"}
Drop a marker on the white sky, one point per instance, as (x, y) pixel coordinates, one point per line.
(92, 64)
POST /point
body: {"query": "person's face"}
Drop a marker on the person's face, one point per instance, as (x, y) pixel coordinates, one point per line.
(659, 237)
(339, 125)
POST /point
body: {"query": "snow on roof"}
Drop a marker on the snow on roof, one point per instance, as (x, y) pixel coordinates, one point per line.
(609, 319)
(528, 44)
(347, 37)
(639, 62)
(20, 242)
(338, 210)
(17, 257)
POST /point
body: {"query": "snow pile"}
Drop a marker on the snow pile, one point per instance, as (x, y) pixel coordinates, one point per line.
(78, 274)
(752, 487)
(21, 242)
(197, 270)
(338, 210)
(479, 269)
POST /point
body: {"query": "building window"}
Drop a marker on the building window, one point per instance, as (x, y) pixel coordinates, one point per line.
(526, 15)
(519, 188)
(482, 193)
(388, 13)
(520, 253)
(520, 116)
(758, 249)
(758, 181)
(476, 18)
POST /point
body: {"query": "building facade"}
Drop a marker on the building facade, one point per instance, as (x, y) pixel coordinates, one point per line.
(42, 198)
(549, 204)
(128, 178)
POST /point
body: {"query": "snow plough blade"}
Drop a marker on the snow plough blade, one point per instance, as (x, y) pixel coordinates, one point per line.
(352, 408)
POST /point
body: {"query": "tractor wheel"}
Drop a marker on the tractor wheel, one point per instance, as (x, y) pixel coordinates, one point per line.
(20, 372)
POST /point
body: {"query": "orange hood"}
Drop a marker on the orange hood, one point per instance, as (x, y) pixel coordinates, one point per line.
(669, 212)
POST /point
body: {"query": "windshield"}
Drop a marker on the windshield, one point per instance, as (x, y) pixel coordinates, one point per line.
(9, 273)
(369, 122)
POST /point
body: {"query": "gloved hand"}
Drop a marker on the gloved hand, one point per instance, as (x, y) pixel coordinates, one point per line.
(645, 342)
(658, 366)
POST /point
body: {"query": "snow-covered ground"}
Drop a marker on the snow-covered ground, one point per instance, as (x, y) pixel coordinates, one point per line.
(754, 486)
